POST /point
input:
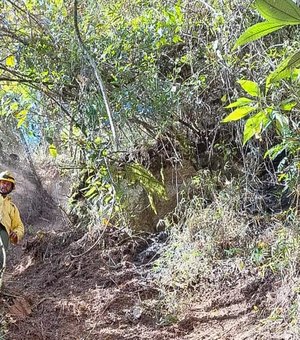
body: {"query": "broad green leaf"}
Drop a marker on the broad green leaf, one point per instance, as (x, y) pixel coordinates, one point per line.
(10, 61)
(284, 69)
(250, 87)
(239, 113)
(52, 150)
(285, 11)
(257, 31)
(288, 105)
(242, 101)
(254, 125)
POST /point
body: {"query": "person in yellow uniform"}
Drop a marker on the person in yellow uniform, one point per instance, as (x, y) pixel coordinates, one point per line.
(11, 225)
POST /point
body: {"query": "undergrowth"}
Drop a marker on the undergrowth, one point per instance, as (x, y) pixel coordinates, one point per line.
(215, 243)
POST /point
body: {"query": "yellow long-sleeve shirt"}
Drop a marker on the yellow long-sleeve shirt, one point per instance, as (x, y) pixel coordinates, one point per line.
(10, 217)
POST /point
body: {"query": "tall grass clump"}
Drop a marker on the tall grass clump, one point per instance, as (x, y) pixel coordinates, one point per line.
(202, 243)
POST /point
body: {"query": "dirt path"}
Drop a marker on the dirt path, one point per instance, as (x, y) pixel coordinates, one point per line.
(63, 285)
(58, 292)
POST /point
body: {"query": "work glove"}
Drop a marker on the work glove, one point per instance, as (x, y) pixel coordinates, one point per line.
(13, 237)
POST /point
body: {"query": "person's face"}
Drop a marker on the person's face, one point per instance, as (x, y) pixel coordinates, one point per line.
(5, 187)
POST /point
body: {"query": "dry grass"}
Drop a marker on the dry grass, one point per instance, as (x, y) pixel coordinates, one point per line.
(216, 244)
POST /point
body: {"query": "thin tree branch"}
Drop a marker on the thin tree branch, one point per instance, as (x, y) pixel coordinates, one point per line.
(12, 35)
(17, 80)
(97, 74)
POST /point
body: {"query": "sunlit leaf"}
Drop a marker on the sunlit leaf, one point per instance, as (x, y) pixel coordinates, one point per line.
(281, 123)
(250, 87)
(151, 201)
(21, 121)
(284, 69)
(92, 192)
(97, 140)
(254, 125)
(285, 11)
(288, 105)
(21, 117)
(242, 101)
(58, 3)
(53, 150)
(239, 113)
(10, 61)
(257, 31)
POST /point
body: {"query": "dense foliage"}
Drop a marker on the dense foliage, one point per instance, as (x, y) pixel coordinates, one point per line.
(97, 80)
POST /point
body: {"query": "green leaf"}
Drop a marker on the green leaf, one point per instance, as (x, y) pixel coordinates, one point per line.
(21, 121)
(242, 101)
(285, 11)
(275, 150)
(58, 3)
(284, 69)
(10, 61)
(92, 192)
(151, 201)
(52, 150)
(250, 87)
(257, 31)
(21, 117)
(176, 39)
(288, 105)
(239, 113)
(254, 125)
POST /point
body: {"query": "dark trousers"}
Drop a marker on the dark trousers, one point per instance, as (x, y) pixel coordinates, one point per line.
(4, 238)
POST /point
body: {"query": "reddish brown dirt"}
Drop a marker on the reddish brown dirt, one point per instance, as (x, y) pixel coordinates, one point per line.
(57, 291)
(68, 285)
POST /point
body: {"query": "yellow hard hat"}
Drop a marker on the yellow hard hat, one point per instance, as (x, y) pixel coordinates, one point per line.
(7, 176)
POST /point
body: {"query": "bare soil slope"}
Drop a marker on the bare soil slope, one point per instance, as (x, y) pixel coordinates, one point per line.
(63, 285)
(62, 290)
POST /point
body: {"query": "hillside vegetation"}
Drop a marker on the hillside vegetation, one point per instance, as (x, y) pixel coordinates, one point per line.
(165, 135)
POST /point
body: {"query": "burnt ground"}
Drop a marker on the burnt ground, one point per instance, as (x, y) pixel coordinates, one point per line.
(70, 285)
